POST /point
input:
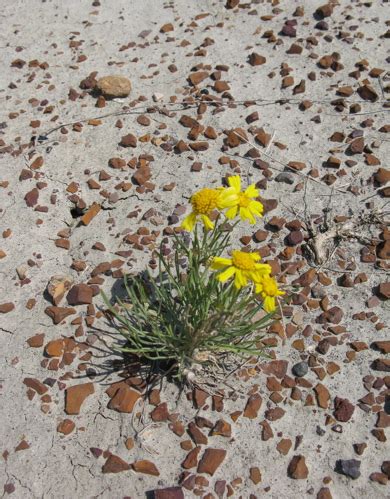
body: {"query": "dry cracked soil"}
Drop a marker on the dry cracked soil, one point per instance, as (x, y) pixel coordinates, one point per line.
(112, 113)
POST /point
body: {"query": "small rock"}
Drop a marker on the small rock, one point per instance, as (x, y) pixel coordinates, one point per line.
(168, 493)
(5, 308)
(55, 348)
(75, 396)
(114, 86)
(91, 213)
(160, 413)
(343, 409)
(222, 428)
(255, 475)
(384, 290)
(211, 460)
(256, 59)
(379, 478)
(252, 406)
(334, 316)
(349, 467)
(128, 140)
(146, 467)
(58, 314)
(300, 369)
(382, 346)
(115, 464)
(124, 400)
(367, 92)
(381, 365)
(322, 395)
(285, 177)
(295, 237)
(35, 385)
(297, 468)
(36, 341)
(325, 10)
(58, 286)
(66, 427)
(80, 294)
(386, 468)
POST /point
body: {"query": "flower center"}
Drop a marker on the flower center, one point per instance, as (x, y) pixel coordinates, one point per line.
(270, 287)
(243, 200)
(242, 261)
(205, 201)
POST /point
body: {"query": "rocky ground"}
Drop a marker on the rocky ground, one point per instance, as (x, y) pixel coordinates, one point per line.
(291, 94)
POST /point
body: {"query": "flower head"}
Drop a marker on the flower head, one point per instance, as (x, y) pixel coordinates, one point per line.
(243, 266)
(204, 202)
(245, 203)
(269, 291)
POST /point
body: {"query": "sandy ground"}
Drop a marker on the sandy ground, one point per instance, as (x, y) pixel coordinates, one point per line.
(54, 158)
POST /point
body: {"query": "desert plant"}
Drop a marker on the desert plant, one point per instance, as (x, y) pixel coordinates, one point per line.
(201, 305)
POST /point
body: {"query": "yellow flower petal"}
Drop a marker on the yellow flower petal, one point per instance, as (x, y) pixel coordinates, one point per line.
(207, 222)
(235, 182)
(251, 191)
(219, 263)
(227, 198)
(231, 212)
(240, 280)
(189, 222)
(245, 214)
(269, 304)
(256, 207)
(227, 274)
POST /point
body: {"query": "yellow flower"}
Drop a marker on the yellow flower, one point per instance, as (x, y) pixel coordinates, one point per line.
(204, 202)
(248, 207)
(268, 288)
(243, 266)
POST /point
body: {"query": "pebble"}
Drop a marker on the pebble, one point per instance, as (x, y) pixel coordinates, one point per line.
(114, 86)
(211, 461)
(76, 395)
(285, 177)
(115, 464)
(146, 467)
(300, 369)
(349, 468)
(343, 409)
(297, 468)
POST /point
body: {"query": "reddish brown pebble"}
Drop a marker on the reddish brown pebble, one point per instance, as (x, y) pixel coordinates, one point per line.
(58, 314)
(146, 467)
(5, 308)
(322, 395)
(91, 213)
(36, 341)
(297, 468)
(55, 348)
(35, 385)
(80, 294)
(168, 493)
(255, 475)
(75, 396)
(160, 413)
(115, 464)
(124, 399)
(22, 446)
(66, 426)
(343, 409)
(211, 460)
(191, 459)
(252, 406)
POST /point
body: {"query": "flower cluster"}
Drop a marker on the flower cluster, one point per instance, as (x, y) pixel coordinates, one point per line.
(243, 267)
(231, 198)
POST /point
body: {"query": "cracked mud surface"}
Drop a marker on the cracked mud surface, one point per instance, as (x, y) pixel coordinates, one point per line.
(298, 105)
